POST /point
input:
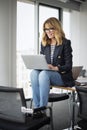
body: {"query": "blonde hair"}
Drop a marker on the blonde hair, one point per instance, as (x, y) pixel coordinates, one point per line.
(59, 33)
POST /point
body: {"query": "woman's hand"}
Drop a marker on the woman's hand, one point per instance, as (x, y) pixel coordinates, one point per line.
(53, 67)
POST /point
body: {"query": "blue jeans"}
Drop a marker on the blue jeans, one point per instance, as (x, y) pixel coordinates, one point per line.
(41, 81)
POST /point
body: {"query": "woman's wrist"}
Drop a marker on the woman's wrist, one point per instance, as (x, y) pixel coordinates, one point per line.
(56, 68)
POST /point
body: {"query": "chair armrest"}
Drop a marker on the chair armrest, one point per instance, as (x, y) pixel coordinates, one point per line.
(28, 99)
(31, 111)
(26, 110)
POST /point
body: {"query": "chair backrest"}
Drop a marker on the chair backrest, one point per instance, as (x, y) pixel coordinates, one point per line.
(76, 71)
(11, 101)
(82, 96)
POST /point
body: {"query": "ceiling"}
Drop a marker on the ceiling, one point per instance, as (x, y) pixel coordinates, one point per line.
(79, 1)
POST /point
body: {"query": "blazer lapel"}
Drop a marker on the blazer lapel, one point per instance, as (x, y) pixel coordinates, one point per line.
(58, 50)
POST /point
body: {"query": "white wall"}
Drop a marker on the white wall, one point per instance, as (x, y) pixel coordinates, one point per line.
(79, 35)
(75, 35)
(7, 41)
(83, 35)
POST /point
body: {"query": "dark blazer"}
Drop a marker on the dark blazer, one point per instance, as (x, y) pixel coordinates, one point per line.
(63, 59)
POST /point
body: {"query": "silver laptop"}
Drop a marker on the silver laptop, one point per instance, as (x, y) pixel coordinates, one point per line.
(35, 62)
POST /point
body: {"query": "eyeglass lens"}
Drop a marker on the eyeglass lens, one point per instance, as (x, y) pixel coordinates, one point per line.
(48, 29)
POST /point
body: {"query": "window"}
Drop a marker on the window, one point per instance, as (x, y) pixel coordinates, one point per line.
(25, 40)
(51, 12)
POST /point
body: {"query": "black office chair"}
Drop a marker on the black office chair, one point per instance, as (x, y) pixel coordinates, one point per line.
(14, 114)
(82, 113)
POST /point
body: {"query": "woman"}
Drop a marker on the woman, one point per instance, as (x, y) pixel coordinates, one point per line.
(58, 52)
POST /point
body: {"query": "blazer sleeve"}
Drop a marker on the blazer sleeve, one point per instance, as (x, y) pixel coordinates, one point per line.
(67, 57)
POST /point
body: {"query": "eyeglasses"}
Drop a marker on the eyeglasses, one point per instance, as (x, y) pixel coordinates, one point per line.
(49, 29)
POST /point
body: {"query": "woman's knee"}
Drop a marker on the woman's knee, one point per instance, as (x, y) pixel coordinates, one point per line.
(33, 73)
(43, 75)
